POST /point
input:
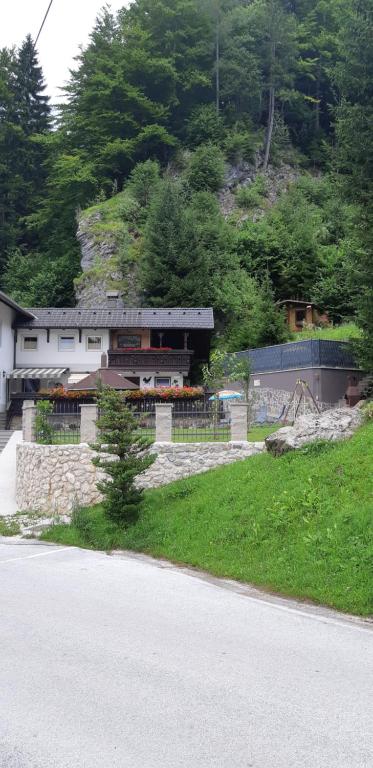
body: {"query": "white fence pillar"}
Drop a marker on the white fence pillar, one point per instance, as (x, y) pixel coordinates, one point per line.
(88, 427)
(163, 422)
(28, 421)
(239, 421)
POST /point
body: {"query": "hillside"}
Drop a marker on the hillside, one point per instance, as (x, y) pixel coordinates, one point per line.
(109, 234)
(308, 533)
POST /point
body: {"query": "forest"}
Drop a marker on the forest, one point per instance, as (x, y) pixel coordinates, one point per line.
(166, 99)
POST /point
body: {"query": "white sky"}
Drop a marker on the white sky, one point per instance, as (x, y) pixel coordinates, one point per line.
(68, 25)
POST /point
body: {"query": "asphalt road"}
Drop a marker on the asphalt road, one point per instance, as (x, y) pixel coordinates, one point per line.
(119, 662)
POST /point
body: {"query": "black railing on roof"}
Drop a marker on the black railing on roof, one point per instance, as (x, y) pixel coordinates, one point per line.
(311, 353)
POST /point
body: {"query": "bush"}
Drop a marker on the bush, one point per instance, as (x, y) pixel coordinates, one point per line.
(206, 169)
(251, 196)
(368, 411)
(43, 428)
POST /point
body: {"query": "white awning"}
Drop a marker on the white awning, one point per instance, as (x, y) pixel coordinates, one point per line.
(37, 373)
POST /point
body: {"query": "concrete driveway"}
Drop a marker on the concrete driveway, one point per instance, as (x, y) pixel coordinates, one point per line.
(120, 662)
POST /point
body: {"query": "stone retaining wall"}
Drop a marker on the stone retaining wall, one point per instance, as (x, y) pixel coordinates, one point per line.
(53, 478)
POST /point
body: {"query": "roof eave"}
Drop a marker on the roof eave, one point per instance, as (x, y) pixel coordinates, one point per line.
(13, 305)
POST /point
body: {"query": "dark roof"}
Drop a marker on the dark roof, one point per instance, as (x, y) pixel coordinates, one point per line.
(120, 318)
(107, 377)
(297, 301)
(10, 303)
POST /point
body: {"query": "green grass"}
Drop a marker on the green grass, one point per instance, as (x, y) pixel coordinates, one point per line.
(343, 332)
(258, 432)
(9, 528)
(301, 525)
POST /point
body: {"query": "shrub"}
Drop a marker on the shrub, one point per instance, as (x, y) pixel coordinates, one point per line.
(9, 528)
(143, 181)
(239, 146)
(43, 427)
(119, 438)
(368, 411)
(251, 196)
(206, 169)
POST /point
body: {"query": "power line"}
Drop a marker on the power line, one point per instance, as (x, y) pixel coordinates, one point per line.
(43, 22)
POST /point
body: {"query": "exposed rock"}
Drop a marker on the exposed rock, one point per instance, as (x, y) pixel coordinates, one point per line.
(278, 179)
(109, 242)
(337, 424)
(103, 266)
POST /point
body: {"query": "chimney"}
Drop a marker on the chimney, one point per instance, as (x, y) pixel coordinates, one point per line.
(112, 299)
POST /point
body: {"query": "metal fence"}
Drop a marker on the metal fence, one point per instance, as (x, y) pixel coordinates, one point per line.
(60, 427)
(311, 353)
(201, 421)
(144, 412)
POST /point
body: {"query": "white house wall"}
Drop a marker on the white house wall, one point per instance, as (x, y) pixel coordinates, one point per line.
(6, 350)
(48, 355)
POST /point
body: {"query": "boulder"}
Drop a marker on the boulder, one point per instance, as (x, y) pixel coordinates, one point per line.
(337, 424)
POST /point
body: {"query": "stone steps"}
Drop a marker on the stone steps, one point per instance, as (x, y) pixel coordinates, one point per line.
(5, 435)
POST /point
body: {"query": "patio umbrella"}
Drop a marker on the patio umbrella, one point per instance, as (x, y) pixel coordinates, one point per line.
(226, 394)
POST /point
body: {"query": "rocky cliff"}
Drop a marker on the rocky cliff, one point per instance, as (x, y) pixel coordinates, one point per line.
(109, 241)
(109, 258)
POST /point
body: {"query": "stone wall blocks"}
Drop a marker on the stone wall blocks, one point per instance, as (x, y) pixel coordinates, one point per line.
(56, 478)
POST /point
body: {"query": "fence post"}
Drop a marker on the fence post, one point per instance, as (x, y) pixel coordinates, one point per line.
(163, 422)
(28, 421)
(88, 418)
(239, 421)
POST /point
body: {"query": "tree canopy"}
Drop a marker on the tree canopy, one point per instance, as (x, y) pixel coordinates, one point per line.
(164, 99)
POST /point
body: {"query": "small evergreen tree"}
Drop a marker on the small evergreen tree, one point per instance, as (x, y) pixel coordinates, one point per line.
(120, 439)
(206, 170)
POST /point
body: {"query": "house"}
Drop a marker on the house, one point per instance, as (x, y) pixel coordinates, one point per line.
(300, 314)
(44, 348)
(10, 314)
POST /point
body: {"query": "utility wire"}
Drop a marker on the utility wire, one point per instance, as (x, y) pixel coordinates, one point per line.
(42, 24)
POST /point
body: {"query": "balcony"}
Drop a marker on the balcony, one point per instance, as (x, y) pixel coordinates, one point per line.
(145, 360)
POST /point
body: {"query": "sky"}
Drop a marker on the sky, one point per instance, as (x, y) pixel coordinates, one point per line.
(68, 25)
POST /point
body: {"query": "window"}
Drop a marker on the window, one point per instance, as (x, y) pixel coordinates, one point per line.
(129, 341)
(94, 342)
(162, 381)
(66, 343)
(30, 342)
(1, 329)
(300, 316)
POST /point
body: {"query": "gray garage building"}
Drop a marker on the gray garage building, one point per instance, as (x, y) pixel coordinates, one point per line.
(328, 367)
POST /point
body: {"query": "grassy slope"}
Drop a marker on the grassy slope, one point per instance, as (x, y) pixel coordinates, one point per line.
(343, 332)
(301, 524)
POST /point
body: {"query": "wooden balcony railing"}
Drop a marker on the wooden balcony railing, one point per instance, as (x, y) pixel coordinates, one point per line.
(174, 360)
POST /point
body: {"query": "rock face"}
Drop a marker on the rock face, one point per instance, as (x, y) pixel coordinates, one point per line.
(333, 425)
(104, 267)
(244, 174)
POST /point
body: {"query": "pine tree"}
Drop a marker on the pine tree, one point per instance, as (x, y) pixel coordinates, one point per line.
(119, 438)
(24, 118)
(32, 110)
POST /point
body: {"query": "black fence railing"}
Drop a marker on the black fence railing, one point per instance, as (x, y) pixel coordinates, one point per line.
(201, 421)
(62, 426)
(311, 353)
